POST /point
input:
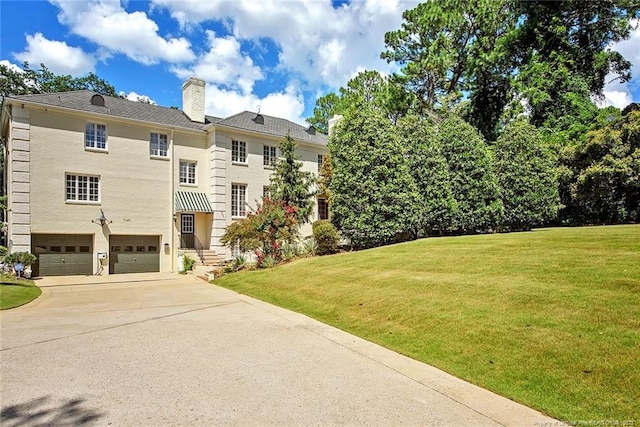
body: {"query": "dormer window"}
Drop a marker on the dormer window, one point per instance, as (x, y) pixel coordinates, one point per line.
(97, 100)
(311, 130)
(259, 119)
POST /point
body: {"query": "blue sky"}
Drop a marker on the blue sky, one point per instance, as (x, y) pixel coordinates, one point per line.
(276, 55)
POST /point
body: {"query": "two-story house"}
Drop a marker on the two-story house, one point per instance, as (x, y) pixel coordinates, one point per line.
(103, 185)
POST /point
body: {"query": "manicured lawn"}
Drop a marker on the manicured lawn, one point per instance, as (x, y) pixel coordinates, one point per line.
(16, 292)
(549, 318)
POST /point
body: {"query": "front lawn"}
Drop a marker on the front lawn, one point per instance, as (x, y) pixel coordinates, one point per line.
(16, 292)
(549, 318)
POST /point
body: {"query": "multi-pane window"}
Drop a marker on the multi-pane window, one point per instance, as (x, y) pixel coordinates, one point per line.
(187, 172)
(323, 209)
(95, 136)
(266, 191)
(238, 151)
(158, 144)
(238, 200)
(320, 160)
(269, 155)
(82, 188)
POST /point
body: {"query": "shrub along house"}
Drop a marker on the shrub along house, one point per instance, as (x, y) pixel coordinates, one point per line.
(102, 185)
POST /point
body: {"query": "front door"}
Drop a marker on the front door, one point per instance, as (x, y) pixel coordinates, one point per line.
(186, 231)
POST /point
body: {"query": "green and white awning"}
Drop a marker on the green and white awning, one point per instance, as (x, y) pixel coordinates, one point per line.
(189, 201)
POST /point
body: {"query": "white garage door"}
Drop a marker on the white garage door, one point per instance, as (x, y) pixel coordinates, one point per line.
(62, 254)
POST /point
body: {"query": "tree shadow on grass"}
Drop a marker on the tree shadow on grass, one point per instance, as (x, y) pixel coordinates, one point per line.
(43, 411)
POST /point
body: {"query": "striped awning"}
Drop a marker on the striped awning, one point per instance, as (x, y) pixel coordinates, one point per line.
(188, 201)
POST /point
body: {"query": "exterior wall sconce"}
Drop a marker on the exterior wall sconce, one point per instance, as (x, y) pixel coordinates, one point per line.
(102, 221)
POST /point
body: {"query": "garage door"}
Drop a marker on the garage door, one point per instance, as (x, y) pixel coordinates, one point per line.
(62, 254)
(134, 254)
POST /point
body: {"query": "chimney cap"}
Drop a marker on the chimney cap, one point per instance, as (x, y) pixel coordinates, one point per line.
(193, 81)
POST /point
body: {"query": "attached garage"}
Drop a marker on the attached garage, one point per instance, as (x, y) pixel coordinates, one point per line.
(62, 254)
(134, 254)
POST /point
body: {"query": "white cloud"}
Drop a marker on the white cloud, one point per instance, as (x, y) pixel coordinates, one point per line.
(288, 104)
(133, 96)
(620, 94)
(59, 57)
(224, 64)
(322, 44)
(10, 65)
(107, 24)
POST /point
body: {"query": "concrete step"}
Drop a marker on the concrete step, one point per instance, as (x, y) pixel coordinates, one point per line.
(209, 257)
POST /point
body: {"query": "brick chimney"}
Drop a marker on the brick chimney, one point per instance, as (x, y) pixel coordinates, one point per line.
(193, 99)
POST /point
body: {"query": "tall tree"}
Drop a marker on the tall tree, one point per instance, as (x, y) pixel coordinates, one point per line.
(435, 208)
(526, 172)
(289, 183)
(473, 183)
(29, 81)
(372, 192)
(547, 53)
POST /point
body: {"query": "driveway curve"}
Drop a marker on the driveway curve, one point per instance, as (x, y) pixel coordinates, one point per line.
(162, 349)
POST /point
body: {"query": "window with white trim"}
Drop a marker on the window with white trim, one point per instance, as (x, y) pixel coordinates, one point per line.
(266, 191)
(269, 155)
(187, 172)
(238, 151)
(82, 188)
(158, 145)
(238, 200)
(320, 160)
(95, 136)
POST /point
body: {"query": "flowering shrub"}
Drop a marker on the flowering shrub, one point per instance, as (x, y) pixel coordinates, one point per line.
(275, 222)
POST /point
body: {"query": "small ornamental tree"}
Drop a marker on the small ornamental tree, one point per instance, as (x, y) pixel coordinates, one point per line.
(290, 183)
(526, 173)
(275, 222)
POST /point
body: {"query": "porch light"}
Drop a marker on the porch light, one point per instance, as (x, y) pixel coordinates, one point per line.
(102, 220)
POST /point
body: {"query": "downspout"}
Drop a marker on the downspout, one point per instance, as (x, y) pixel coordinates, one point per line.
(172, 251)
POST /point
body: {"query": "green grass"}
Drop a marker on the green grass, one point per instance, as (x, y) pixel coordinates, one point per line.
(16, 292)
(549, 318)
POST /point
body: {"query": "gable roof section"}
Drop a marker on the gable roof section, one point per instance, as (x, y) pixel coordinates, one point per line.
(273, 126)
(80, 100)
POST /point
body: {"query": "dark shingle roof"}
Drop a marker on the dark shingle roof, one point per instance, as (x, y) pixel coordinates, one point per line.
(272, 126)
(117, 107)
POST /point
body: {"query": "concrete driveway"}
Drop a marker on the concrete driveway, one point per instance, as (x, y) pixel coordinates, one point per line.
(161, 349)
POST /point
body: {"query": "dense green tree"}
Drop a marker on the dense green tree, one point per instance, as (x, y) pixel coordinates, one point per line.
(526, 172)
(436, 206)
(290, 183)
(29, 81)
(601, 178)
(473, 183)
(384, 94)
(447, 47)
(553, 55)
(372, 192)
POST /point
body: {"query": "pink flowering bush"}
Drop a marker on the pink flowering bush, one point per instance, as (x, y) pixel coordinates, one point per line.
(264, 231)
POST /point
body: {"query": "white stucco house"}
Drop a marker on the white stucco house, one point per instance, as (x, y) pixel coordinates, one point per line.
(102, 185)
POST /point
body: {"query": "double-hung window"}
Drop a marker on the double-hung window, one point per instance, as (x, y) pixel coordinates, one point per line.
(320, 160)
(187, 172)
(82, 188)
(269, 155)
(95, 136)
(238, 151)
(238, 200)
(158, 145)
